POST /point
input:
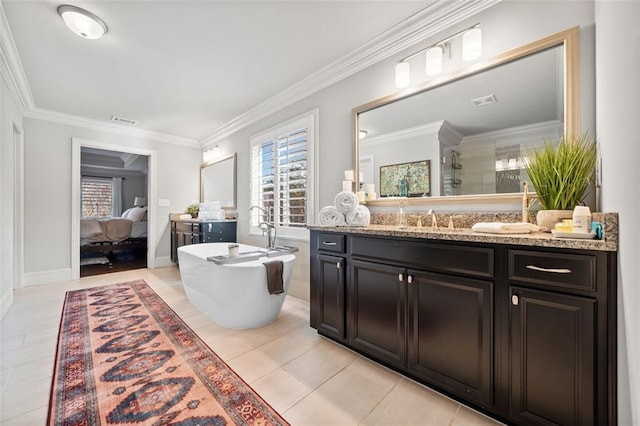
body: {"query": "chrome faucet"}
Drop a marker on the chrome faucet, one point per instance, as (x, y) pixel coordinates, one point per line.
(267, 227)
(434, 222)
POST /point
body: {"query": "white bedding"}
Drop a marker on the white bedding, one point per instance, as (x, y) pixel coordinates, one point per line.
(110, 230)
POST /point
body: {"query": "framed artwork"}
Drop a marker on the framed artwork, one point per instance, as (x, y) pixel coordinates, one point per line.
(406, 179)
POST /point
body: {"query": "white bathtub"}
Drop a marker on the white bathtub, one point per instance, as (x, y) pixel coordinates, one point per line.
(235, 295)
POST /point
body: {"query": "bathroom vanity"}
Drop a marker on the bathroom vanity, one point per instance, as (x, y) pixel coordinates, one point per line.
(520, 327)
(197, 231)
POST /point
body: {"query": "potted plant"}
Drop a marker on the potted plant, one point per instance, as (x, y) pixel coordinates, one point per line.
(193, 210)
(561, 174)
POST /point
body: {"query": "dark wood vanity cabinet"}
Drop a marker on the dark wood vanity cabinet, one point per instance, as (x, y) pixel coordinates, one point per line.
(185, 232)
(526, 334)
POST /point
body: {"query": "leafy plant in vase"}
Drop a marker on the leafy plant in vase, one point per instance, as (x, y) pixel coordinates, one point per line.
(193, 210)
(561, 174)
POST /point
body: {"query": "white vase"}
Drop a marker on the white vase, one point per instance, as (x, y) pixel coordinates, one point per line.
(547, 219)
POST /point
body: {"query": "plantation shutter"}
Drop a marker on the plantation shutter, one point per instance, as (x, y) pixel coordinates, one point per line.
(96, 197)
(280, 170)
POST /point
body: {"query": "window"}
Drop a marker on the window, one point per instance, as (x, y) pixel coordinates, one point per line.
(96, 197)
(281, 176)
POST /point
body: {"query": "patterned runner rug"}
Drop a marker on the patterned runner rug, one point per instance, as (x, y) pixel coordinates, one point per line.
(124, 357)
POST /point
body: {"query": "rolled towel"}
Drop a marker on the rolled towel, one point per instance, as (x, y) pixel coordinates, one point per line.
(359, 216)
(505, 228)
(346, 201)
(330, 216)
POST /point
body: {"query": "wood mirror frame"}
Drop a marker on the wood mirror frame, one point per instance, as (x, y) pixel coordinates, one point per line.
(569, 39)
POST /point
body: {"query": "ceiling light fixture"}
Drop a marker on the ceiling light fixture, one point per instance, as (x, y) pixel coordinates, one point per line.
(362, 134)
(471, 49)
(82, 22)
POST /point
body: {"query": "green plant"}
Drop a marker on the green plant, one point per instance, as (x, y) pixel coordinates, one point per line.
(562, 174)
(193, 209)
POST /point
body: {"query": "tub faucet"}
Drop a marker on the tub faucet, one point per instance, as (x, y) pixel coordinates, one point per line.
(267, 227)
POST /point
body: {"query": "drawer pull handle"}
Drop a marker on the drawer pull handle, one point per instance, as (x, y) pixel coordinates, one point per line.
(555, 271)
(410, 279)
(329, 244)
(514, 300)
(400, 277)
(338, 265)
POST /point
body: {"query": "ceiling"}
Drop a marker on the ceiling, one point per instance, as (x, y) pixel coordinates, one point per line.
(186, 68)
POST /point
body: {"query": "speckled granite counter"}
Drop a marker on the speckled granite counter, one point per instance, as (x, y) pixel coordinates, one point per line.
(539, 239)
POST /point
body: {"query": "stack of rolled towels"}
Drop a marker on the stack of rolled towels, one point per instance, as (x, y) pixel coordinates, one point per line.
(346, 211)
(211, 210)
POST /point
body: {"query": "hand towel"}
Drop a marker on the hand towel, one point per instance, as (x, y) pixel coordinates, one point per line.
(359, 216)
(346, 201)
(505, 228)
(330, 216)
(274, 276)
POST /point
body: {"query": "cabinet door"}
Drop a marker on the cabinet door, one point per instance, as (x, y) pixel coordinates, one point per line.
(331, 296)
(552, 358)
(376, 320)
(451, 333)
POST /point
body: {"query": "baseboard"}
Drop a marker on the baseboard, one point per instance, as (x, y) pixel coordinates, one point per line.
(163, 261)
(46, 277)
(5, 303)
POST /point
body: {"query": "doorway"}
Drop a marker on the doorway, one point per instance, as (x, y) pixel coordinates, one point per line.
(129, 175)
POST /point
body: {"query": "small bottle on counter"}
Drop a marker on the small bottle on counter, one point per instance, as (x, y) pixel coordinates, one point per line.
(581, 219)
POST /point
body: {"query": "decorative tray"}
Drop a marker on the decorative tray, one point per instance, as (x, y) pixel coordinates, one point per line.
(578, 235)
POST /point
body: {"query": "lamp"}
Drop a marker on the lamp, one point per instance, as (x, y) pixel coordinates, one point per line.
(434, 60)
(472, 44)
(140, 202)
(82, 22)
(471, 49)
(403, 74)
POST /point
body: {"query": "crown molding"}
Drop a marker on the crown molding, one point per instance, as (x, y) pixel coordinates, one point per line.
(429, 21)
(404, 134)
(87, 123)
(11, 68)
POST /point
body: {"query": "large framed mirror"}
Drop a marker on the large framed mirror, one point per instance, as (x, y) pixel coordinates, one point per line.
(474, 126)
(218, 182)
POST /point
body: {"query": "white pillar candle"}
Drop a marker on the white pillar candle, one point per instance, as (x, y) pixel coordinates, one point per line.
(371, 188)
(348, 175)
(346, 185)
(360, 195)
(371, 196)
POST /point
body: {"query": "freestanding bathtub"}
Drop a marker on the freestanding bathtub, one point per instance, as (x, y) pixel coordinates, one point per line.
(234, 295)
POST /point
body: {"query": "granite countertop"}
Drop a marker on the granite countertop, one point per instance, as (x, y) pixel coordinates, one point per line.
(538, 239)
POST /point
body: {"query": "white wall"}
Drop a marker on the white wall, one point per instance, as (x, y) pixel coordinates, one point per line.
(10, 119)
(618, 110)
(48, 191)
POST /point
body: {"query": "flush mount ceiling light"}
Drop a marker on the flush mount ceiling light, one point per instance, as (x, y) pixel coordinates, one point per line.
(82, 22)
(362, 134)
(471, 49)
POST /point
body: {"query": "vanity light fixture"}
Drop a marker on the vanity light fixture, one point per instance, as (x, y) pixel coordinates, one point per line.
(471, 49)
(82, 22)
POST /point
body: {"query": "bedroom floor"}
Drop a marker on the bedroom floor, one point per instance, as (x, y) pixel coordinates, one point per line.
(115, 261)
(305, 377)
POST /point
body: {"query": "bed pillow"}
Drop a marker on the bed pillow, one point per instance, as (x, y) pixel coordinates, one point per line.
(125, 214)
(89, 227)
(136, 213)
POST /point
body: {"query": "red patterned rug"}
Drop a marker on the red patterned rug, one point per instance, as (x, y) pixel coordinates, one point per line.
(124, 357)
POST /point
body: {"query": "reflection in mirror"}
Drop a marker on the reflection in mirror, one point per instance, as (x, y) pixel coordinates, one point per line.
(474, 127)
(218, 182)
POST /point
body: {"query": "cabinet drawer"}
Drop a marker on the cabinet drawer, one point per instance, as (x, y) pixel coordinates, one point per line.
(570, 271)
(186, 227)
(331, 242)
(453, 258)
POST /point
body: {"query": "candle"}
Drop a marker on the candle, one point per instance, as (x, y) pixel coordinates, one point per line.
(348, 175)
(371, 196)
(371, 188)
(360, 195)
(346, 185)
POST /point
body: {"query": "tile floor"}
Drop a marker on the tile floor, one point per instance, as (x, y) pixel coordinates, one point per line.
(306, 378)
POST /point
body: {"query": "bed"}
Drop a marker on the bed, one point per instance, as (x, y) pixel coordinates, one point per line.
(128, 232)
